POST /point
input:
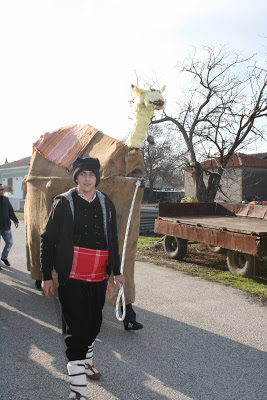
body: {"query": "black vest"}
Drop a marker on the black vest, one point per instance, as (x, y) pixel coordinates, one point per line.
(88, 229)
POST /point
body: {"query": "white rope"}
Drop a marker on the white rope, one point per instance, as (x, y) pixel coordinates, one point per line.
(121, 296)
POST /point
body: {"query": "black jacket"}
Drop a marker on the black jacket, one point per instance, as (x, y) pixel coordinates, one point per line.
(6, 214)
(57, 237)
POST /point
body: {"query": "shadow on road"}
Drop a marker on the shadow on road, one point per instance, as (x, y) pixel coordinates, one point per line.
(169, 358)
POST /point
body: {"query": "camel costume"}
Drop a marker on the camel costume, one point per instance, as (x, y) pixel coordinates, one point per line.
(50, 174)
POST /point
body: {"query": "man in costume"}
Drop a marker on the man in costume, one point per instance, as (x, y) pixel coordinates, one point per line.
(80, 241)
(6, 215)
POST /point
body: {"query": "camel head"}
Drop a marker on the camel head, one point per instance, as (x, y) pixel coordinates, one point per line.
(152, 99)
(147, 102)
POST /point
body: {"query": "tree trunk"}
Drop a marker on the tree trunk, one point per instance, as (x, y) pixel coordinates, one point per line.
(201, 191)
(213, 185)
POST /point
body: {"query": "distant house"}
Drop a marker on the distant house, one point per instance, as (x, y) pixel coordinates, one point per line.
(12, 174)
(244, 178)
(162, 191)
(171, 195)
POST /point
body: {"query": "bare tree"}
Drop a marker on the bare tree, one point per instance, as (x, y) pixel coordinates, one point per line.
(222, 112)
(163, 160)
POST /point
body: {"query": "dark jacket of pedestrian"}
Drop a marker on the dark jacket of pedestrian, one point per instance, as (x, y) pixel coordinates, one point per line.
(6, 214)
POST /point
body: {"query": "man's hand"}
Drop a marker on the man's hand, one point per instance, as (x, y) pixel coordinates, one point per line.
(119, 279)
(48, 287)
(16, 224)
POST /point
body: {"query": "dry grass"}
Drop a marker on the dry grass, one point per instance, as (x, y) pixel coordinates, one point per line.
(199, 261)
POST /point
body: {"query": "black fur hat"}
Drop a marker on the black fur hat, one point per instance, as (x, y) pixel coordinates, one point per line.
(86, 164)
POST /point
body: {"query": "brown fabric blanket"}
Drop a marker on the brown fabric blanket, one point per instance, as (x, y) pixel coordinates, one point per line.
(47, 179)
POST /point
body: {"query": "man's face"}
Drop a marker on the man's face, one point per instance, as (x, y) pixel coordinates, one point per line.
(1, 190)
(86, 181)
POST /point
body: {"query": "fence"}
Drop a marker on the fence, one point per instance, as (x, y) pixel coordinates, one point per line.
(147, 219)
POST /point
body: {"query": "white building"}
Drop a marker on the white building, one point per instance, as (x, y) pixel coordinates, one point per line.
(12, 174)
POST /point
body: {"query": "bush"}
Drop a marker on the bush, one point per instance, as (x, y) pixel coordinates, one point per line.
(8, 189)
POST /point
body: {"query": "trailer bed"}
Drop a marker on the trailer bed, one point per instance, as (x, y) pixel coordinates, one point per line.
(237, 227)
(227, 223)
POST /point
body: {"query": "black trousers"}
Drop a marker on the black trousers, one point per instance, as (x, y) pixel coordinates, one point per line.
(130, 314)
(81, 306)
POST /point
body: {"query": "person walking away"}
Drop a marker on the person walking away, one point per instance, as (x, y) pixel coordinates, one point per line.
(6, 215)
(80, 241)
(130, 323)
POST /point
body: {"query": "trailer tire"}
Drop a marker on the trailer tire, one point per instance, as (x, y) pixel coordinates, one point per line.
(175, 248)
(240, 264)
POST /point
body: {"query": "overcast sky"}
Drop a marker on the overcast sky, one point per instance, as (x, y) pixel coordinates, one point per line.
(72, 61)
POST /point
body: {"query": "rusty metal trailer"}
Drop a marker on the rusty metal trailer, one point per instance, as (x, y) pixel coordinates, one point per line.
(239, 229)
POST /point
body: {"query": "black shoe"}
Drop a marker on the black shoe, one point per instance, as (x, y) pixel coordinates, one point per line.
(133, 326)
(6, 262)
(38, 285)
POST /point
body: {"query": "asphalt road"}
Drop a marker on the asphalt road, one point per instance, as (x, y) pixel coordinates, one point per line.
(201, 340)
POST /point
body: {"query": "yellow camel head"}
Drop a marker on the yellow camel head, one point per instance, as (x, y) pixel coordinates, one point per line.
(152, 99)
(147, 102)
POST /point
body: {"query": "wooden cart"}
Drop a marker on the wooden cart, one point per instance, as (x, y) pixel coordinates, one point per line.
(238, 229)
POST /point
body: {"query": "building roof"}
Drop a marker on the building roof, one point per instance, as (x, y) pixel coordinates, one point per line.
(23, 162)
(237, 160)
(260, 155)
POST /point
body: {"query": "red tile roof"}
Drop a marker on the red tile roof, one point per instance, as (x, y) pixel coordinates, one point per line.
(23, 162)
(236, 161)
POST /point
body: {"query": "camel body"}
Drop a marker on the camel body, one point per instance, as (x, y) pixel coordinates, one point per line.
(47, 179)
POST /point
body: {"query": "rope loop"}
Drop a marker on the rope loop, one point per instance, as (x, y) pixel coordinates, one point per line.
(121, 296)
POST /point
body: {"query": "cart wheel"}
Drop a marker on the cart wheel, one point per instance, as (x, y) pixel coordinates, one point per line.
(240, 264)
(175, 248)
(215, 249)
